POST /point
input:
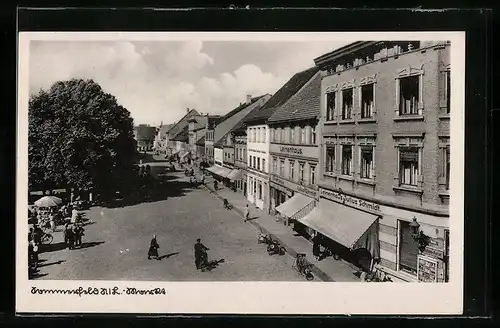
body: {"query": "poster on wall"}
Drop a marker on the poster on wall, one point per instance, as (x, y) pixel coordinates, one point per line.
(427, 269)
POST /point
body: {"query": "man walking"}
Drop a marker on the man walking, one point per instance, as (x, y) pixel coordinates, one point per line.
(246, 213)
(199, 249)
(153, 249)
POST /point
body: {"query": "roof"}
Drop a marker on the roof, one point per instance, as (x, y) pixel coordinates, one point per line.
(145, 132)
(183, 135)
(342, 51)
(282, 95)
(183, 122)
(304, 105)
(200, 141)
(228, 121)
(164, 129)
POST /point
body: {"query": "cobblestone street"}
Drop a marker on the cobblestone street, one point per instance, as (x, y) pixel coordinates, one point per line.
(117, 241)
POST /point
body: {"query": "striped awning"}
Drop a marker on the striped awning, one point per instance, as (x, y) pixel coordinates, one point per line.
(219, 170)
(294, 205)
(235, 175)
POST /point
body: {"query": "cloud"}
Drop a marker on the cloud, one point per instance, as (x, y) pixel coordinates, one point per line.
(157, 81)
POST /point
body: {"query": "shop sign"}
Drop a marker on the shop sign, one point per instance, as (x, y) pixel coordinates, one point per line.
(349, 200)
(427, 269)
(310, 151)
(295, 187)
(433, 252)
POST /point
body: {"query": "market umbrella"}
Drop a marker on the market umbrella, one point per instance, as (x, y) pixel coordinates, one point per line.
(48, 201)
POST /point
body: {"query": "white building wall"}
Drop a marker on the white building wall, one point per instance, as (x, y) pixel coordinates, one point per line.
(218, 156)
(258, 143)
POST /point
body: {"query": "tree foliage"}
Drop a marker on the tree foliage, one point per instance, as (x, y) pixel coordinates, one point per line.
(79, 137)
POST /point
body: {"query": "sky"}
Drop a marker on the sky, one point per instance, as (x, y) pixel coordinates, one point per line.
(158, 80)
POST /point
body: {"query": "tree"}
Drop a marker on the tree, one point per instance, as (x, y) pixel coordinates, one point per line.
(79, 137)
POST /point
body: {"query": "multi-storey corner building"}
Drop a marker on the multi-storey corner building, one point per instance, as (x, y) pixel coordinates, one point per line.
(294, 152)
(240, 156)
(385, 159)
(145, 136)
(259, 141)
(177, 137)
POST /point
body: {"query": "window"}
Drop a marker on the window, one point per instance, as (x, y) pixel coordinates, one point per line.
(254, 186)
(446, 171)
(282, 167)
(250, 185)
(409, 90)
(275, 165)
(313, 175)
(330, 106)
(367, 92)
(408, 166)
(264, 133)
(260, 191)
(313, 135)
(301, 172)
(408, 249)
(283, 135)
(291, 172)
(250, 161)
(303, 135)
(292, 135)
(448, 91)
(258, 163)
(264, 169)
(278, 135)
(346, 159)
(254, 162)
(366, 162)
(330, 159)
(347, 104)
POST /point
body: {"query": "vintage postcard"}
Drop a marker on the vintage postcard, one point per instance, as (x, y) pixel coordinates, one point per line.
(240, 173)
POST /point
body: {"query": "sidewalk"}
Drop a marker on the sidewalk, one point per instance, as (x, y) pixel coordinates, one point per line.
(327, 269)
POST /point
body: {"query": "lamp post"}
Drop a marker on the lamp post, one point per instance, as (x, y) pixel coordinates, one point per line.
(418, 235)
(415, 228)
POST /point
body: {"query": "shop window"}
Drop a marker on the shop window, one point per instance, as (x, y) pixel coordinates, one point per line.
(313, 175)
(346, 160)
(409, 95)
(330, 105)
(367, 100)
(291, 171)
(408, 249)
(264, 165)
(313, 135)
(408, 166)
(347, 104)
(448, 91)
(366, 162)
(282, 168)
(330, 159)
(301, 172)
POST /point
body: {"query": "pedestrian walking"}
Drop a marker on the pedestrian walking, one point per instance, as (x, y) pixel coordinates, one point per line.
(316, 246)
(78, 232)
(246, 213)
(203, 179)
(153, 249)
(199, 249)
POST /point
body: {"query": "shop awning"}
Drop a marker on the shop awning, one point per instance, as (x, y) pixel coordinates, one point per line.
(294, 205)
(219, 170)
(235, 175)
(338, 222)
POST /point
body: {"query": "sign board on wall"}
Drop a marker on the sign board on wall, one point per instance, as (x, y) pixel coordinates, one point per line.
(295, 187)
(349, 200)
(310, 151)
(427, 269)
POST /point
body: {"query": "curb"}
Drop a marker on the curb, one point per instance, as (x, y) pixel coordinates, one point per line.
(290, 251)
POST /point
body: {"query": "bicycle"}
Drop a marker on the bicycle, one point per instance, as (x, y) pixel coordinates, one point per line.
(302, 267)
(47, 238)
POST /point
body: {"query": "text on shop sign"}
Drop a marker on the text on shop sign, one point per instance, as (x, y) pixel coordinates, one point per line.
(349, 200)
(291, 150)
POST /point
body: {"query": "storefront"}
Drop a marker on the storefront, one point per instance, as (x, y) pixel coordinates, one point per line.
(257, 189)
(413, 246)
(286, 200)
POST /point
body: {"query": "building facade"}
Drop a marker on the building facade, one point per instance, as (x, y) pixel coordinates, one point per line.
(240, 158)
(145, 136)
(294, 154)
(178, 135)
(385, 150)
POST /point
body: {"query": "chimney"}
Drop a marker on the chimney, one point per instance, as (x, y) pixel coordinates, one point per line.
(249, 99)
(187, 110)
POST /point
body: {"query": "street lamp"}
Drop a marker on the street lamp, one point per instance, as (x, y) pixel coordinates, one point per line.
(418, 235)
(414, 228)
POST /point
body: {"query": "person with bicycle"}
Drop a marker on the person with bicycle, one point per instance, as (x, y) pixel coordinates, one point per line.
(200, 254)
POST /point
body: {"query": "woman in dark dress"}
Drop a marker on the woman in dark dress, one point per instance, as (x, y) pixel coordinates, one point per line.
(316, 246)
(153, 249)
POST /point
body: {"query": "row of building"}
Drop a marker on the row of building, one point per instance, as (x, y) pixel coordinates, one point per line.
(356, 148)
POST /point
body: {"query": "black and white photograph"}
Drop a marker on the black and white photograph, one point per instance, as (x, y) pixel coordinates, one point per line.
(316, 168)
